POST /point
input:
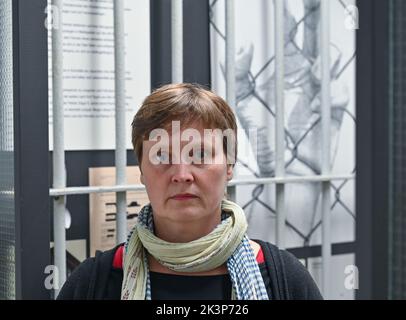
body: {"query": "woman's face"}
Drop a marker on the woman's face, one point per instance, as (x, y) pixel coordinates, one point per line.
(167, 182)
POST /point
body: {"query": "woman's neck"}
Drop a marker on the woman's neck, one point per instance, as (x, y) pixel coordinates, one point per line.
(185, 231)
(155, 266)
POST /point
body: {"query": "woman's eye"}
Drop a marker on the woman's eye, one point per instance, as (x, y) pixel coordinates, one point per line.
(163, 157)
(200, 154)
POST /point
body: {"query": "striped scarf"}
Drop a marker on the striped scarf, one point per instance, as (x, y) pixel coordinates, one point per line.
(228, 242)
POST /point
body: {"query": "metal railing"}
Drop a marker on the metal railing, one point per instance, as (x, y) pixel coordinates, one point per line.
(325, 142)
(58, 154)
(121, 151)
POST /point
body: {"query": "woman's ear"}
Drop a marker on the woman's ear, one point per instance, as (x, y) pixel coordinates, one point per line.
(229, 172)
(141, 174)
(142, 179)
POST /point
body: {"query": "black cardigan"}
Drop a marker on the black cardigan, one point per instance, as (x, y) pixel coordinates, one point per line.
(284, 277)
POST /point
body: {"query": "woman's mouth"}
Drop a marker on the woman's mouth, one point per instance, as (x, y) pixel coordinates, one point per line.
(185, 196)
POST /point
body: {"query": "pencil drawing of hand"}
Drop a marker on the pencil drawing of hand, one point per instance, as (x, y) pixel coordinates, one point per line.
(255, 108)
(302, 81)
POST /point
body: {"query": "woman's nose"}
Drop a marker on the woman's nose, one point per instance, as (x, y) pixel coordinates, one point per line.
(182, 173)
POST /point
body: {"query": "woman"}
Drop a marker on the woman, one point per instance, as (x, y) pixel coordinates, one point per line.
(190, 242)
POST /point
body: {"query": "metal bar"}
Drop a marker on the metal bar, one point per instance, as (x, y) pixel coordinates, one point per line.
(120, 152)
(88, 190)
(58, 154)
(25, 254)
(315, 251)
(177, 40)
(230, 53)
(372, 130)
(280, 128)
(140, 187)
(231, 192)
(326, 136)
(230, 70)
(391, 189)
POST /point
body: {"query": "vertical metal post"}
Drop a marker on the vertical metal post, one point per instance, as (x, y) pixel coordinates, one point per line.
(177, 40)
(326, 136)
(280, 128)
(230, 68)
(58, 154)
(120, 152)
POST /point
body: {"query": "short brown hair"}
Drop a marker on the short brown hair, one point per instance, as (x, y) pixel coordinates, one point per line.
(186, 102)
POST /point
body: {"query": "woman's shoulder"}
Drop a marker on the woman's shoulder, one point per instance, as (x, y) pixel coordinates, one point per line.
(294, 278)
(255, 247)
(77, 284)
(83, 280)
